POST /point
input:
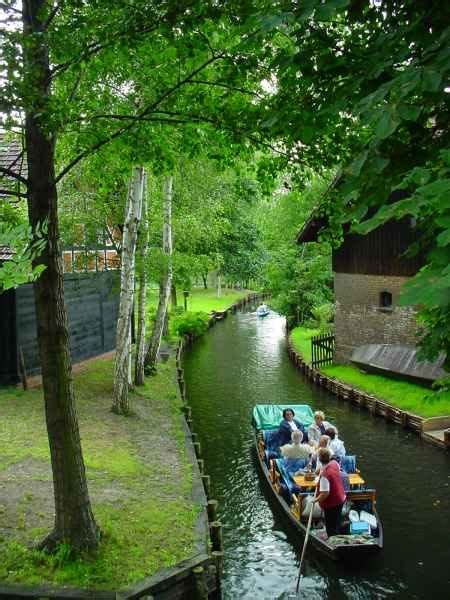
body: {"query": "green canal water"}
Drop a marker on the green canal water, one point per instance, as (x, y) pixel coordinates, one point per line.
(243, 361)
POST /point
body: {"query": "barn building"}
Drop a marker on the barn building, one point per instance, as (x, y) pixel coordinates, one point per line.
(369, 272)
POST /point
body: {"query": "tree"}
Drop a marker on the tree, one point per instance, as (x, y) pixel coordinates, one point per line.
(298, 277)
(370, 83)
(142, 282)
(74, 520)
(87, 75)
(122, 366)
(166, 280)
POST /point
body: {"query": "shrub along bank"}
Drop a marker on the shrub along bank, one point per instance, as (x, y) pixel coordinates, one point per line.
(401, 394)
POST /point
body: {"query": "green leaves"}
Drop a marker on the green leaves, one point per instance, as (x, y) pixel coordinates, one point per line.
(25, 247)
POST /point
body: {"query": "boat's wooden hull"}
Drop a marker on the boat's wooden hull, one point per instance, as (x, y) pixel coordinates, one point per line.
(339, 553)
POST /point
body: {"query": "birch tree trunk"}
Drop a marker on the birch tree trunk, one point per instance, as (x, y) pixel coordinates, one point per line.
(219, 285)
(142, 295)
(122, 365)
(74, 521)
(166, 283)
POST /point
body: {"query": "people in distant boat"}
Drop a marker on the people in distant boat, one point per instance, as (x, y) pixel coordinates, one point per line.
(324, 442)
(288, 425)
(317, 428)
(331, 494)
(335, 445)
(296, 449)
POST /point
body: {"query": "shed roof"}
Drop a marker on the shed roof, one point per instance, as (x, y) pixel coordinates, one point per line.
(5, 253)
(11, 154)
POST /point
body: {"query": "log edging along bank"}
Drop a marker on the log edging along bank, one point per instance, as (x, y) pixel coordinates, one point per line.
(357, 397)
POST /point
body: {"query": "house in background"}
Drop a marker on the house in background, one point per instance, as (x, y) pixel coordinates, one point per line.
(371, 328)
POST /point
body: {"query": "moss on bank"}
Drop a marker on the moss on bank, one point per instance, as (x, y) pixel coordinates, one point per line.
(402, 394)
(139, 478)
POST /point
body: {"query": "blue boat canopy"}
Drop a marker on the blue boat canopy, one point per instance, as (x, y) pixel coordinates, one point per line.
(269, 416)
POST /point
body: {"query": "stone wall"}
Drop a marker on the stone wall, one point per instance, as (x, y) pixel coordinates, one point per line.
(361, 320)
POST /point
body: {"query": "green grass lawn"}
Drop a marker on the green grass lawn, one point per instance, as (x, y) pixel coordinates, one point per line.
(402, 394)
(204, 300)
(139, 477)
(301, 341)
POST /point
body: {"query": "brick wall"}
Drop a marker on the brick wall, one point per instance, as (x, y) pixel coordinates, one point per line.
(359, 318)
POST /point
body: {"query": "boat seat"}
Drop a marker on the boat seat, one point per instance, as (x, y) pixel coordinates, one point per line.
(348, 464)
(271, 440)
(293, 465)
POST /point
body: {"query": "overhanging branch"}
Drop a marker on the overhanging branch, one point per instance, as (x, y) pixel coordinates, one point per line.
(144, 113)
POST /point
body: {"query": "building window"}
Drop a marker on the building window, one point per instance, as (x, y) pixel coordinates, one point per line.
(386, 300)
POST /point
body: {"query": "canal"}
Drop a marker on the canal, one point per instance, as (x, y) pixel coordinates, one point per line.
(243, 361)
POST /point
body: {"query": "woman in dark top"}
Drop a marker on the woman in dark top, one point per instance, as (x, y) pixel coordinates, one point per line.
(288, 425)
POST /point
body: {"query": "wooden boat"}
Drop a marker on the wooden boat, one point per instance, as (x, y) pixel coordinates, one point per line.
(262, 310)
(291, 504)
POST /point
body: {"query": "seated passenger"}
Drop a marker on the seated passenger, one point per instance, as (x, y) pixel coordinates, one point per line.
(287, 426)
(324, 442)
(336, 445)
(296, 449)
(317, 428)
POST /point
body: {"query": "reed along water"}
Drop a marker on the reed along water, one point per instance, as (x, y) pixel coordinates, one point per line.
(243, 361)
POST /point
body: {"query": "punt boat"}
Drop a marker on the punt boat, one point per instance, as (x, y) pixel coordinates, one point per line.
(290, 501)
(262, 310)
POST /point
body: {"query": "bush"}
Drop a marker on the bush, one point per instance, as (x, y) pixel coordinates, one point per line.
(323, 315)
(194, 324)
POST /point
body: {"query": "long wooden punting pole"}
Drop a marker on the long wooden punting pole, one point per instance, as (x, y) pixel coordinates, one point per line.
(305, 543)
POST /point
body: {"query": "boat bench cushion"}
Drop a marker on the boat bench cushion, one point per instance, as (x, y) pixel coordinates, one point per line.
(271, 440)
(348, 464)
(292, 465)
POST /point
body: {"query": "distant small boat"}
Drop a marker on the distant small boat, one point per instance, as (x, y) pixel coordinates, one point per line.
(365, 530)
(262, 310)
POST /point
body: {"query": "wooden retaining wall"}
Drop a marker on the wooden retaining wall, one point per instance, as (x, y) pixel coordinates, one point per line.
(374, 405)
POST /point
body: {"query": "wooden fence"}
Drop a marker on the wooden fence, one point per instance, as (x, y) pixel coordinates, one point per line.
(322, 349)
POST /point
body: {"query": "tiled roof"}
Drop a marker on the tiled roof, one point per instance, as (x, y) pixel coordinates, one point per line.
(11, 155)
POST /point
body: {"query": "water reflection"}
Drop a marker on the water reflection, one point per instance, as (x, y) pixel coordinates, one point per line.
(243, 361)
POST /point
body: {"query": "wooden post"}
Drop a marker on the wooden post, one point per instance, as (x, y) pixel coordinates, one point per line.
(200, 584)
(206, 484)
(211, 507)
(218, 562)
(197, 448)
(194, 436)
(201, 465)
(447, 438)
(215, 530)
(22, 370)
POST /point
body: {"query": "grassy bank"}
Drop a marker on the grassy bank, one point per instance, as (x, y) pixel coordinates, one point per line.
(205, 300)
(402, 394)
(139, 480)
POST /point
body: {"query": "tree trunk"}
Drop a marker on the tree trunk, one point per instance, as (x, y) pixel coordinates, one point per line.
(219, 285)
(142, 296)
(122, 365)
(173, 295)
(205, 280)
(74, 521)
(166, 283)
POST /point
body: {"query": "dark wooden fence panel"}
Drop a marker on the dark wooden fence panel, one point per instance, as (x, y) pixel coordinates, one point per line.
(92, 301)
(8, 357)
(322, 349)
